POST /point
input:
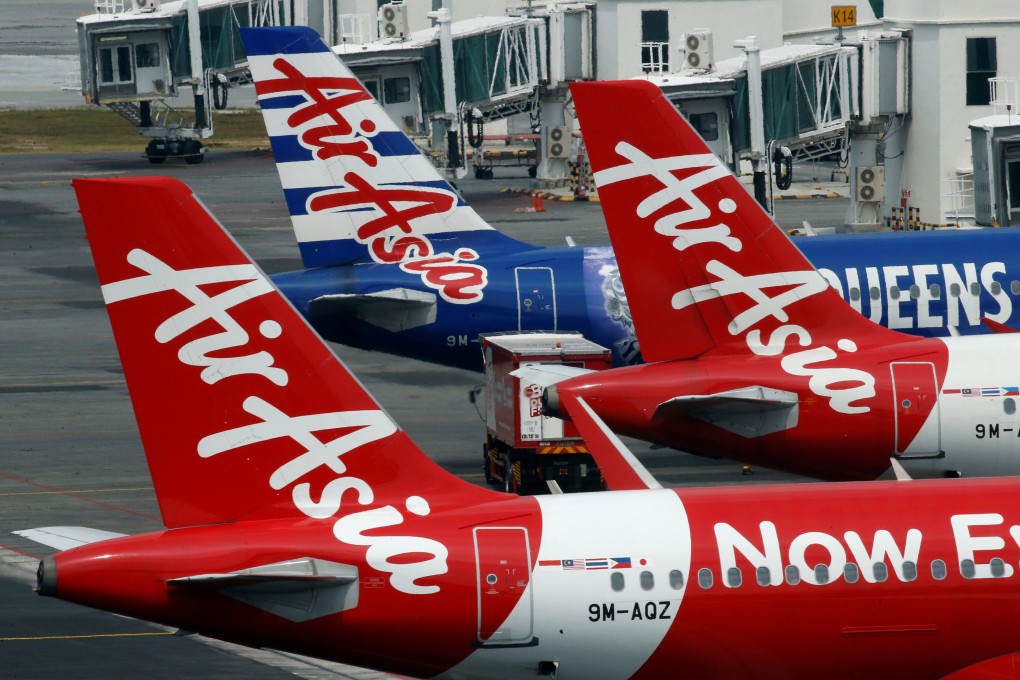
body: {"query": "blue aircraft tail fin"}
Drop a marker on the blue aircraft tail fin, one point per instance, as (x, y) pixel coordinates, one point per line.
(357, 187)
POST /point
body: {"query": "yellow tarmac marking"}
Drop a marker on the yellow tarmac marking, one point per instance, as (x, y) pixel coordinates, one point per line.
(79, 637)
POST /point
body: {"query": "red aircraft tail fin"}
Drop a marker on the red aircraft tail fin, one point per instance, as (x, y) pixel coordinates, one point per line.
(702, 263)
(243, 411)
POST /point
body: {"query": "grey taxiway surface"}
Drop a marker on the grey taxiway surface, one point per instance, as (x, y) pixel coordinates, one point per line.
(70, 453)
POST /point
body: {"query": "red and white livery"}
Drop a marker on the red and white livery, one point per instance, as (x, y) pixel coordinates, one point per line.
(300, 517)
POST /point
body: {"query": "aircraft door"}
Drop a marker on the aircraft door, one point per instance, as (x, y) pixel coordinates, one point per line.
(503, 561)
(916, 405)
(536, 299)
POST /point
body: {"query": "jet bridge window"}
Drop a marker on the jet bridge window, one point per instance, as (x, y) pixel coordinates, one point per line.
(115, 65)
(616, 581)
(707, 125)
(397, 90)
(705, 578)
(938, 570)
(147, 55)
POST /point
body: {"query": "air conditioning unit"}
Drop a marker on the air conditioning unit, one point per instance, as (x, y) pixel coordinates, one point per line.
(146, 5)
(871, 184)
(698, 52)
(558, 141)
(393, 21)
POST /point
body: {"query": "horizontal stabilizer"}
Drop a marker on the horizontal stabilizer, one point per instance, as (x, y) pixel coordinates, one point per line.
(545, 375)
(65, 538)
(396, 309)
(996, 327)
(619, 466)
(297, 590)
(747, 411)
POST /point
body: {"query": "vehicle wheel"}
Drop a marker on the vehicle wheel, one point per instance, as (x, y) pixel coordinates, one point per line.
(192, 152)
(487, 174)
(479, 173)
(508, 482)
(487, 465)
(532, 171)
(155, 151)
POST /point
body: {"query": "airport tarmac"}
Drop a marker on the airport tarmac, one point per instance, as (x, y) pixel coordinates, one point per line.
(70, 453)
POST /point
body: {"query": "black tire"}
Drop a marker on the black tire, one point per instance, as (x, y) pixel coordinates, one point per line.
(157, 160)
(532, 171)
(155, 151)
(487, 466)
(479, 173)
(192, 152)
(487, 174)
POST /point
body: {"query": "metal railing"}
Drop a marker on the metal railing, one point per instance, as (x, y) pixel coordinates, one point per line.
(654, 57)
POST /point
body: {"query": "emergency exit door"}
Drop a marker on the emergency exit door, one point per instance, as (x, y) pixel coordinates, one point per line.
(503, 561)
(916, 405)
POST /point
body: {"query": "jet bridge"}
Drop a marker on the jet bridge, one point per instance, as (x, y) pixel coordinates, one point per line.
(135, 55)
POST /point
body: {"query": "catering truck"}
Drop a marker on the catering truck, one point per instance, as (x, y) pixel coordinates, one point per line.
(525, 451)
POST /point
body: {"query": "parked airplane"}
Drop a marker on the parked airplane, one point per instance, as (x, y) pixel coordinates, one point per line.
(398, 262)
(300, 517)
(756, 357)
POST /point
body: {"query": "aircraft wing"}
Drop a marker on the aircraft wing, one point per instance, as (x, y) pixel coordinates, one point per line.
(65, 538)
(748, 411)
(396, 309)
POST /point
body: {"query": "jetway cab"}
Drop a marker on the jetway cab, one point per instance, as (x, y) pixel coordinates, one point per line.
(131, 67)
(995, 149)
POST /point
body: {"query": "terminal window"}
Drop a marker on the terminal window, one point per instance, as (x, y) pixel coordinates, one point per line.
(981, 65)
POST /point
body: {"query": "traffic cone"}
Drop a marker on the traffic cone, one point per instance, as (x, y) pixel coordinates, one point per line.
(536, 202)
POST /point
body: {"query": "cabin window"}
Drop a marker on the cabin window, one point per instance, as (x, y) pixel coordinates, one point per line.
(855, 294)
(894, 292)
(397, 90)
(996, 287)
(764, 576)
(938, 570)
(981, 65)
(875, 293)
(676, 579)
(616, 581)
(821, 574)
(705, 578)
(935, 291)
(1014, 287)
(975, 288)
(998, 567)
(733, 577)
(880, 571)
(792, 575)
(1009, 406)
(850, 573)
(915, 291)
(967, 568)
(647, 580)
(909, 570)
(954, 290)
